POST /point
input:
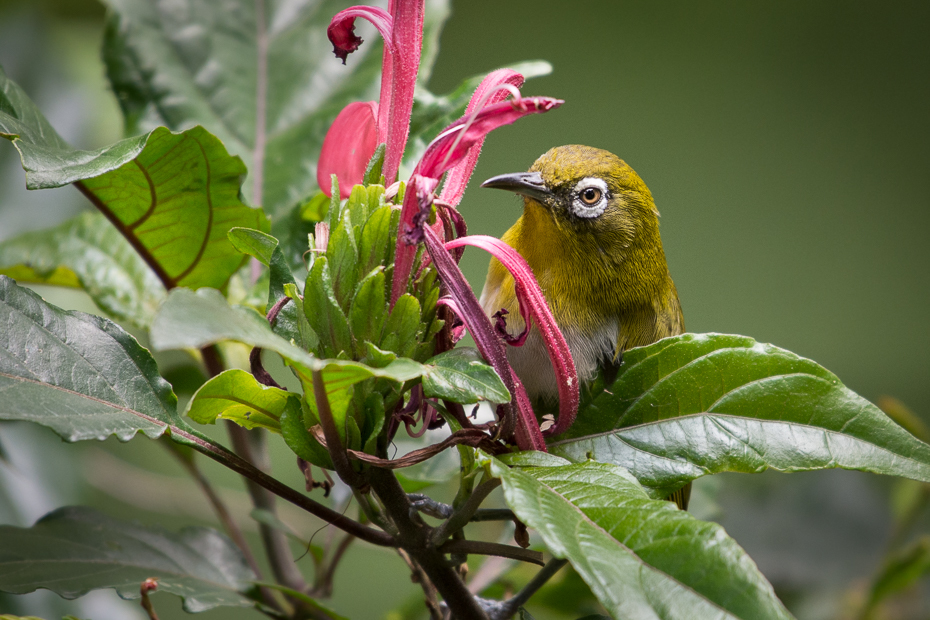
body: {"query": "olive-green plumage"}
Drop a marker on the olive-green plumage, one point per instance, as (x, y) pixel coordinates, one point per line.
(590, 232)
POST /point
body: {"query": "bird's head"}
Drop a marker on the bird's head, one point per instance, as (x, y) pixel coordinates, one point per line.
(587, 191)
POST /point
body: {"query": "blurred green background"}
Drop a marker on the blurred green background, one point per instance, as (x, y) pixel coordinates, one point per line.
(787, 145)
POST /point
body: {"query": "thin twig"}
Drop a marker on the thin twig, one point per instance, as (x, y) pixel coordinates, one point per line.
(149, 585)
(463, 515)
(493, 514)
(510, 607)
(480, 547)
(324, 585)
(429, 590)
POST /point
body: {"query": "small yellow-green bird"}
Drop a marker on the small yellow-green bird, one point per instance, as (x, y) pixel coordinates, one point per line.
(590, 232)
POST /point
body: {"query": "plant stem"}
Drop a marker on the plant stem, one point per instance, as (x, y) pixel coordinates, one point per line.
(248, 470)
(480, 547)
(463, 515)
(333, 443)
(414, 537)
(510, 607)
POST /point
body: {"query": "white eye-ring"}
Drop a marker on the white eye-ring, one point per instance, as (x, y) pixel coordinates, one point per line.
(589, 198)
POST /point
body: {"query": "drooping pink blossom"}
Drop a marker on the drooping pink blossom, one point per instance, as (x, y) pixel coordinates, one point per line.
(349, 145)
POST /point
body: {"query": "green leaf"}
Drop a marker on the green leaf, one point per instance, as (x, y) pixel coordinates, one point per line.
(80, 375)
(172, 195)
(194, 320)
(900, 572)
(74, 550)
(176, 201)
(400, 330)
(46, 157)
(324, 313)
(254, 243)
(235, 395)
(642, 558)
(186, 63)
(87, 252)
(301, 443)
(700, 404)
(369, 308)
(342, 264)
(462, 376)
(375, 244)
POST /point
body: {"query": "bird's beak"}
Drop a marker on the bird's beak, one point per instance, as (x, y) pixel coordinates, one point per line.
(528, 184)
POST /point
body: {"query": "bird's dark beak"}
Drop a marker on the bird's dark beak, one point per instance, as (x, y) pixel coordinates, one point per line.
(528, 184)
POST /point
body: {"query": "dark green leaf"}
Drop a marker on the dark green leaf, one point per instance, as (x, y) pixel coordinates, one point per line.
(342, 264)
(80, 375)
(642, 558)
(700, 404)
(172, 195)
(235, 395)
(87, 252)
(75, 550)
(462, 376)
(372, 174)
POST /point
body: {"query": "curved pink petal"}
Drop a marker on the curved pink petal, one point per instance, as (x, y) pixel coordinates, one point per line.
(349, 145)
(488, 92)
(447, 150)
(452, 145)
(533, 306)
(341, 31)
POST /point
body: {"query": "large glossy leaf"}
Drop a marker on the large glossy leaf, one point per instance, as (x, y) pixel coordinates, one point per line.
(265, 81)
(47, 158)
(700, 404)
(194, 320)
(174, 196)
(75, 550)
(79, 374)
(87, 252)
(642, 558)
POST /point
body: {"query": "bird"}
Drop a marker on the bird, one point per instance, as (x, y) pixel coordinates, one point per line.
(590, 233)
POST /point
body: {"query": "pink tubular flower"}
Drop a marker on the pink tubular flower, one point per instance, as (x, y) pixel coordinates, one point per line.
(490, 91)
(533, 306)
(349, 144)
(445, 152)
(402, 30)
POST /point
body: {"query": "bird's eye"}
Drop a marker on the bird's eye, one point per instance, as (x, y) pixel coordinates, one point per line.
(590, 195)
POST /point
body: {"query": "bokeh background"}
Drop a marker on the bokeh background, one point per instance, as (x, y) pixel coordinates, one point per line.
(787, 145)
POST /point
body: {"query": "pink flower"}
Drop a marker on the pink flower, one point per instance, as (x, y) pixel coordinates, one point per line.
(349, 144)
(402, 30)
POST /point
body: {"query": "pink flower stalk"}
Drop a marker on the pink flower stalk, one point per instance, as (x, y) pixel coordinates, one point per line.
(533, 306)
(445, 152)
(402, 30)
